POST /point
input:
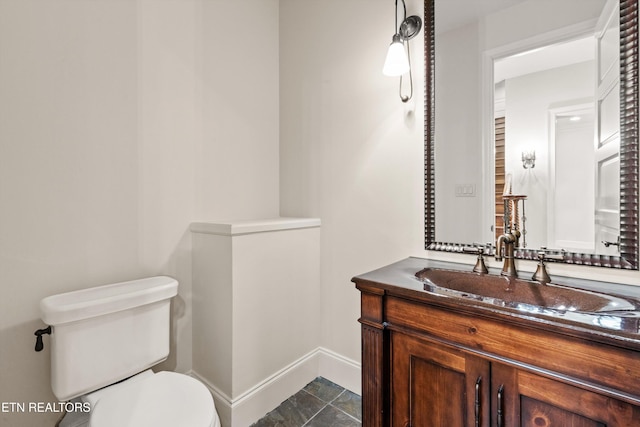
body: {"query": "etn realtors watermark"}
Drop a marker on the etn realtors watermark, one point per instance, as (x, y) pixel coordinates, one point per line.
(43, 407)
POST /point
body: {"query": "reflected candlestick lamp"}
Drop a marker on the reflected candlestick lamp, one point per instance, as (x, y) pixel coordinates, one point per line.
(398, 61)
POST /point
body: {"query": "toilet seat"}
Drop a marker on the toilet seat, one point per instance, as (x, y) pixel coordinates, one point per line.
(165, 399)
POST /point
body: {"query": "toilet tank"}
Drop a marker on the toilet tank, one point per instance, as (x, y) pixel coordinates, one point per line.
(105, 334)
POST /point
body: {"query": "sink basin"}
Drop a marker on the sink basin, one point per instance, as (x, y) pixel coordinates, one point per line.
(521, 294)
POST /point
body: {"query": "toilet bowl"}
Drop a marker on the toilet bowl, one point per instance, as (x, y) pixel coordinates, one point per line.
(165, 399)
(104, 340)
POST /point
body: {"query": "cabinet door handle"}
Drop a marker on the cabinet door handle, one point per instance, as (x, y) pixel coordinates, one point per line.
(500, 396)
(477, 406)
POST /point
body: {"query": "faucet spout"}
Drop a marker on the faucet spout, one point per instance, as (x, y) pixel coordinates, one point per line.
(505, 249)
(499, 243)
(506, 243)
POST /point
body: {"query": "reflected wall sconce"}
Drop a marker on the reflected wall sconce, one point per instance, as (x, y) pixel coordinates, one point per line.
(529, 159)
(398, 61)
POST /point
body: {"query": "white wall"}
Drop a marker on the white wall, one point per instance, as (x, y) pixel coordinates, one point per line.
(571, 213)
(238, 161)
(119, 125)
(529, 99)
(458, 134)
(534, 17)
(351, 152)
(256, 312)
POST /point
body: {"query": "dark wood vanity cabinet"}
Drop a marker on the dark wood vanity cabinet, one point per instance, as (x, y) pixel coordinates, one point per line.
(428, 361)
(436, 385)
(537, 400)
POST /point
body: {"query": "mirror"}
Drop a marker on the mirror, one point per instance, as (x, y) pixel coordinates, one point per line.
(506, 81)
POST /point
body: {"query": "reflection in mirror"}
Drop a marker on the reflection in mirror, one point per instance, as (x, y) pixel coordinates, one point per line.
(532, 107)
(545, 104)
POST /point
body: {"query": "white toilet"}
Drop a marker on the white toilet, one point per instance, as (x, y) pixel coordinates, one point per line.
(104, 341)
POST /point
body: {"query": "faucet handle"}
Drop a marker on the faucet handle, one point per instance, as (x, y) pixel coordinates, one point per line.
(480, 266)
(541, 274)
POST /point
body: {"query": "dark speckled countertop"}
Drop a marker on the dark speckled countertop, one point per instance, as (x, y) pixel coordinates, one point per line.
(399, 279)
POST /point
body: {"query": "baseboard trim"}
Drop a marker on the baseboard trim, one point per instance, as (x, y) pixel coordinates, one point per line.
(340, 369)
(254, 403)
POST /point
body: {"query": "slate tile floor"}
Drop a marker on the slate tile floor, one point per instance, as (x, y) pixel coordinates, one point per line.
(320, 403)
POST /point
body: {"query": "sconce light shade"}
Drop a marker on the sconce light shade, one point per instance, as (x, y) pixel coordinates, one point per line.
(529, 159)
(397, 62)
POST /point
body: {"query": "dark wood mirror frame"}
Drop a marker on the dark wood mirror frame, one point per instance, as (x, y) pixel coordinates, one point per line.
(628, 258)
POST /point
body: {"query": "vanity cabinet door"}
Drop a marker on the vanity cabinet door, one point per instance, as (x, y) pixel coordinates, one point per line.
(437, 385)
(524, 399)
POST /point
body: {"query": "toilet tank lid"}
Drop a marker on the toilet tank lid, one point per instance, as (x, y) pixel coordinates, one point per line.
(100, 300)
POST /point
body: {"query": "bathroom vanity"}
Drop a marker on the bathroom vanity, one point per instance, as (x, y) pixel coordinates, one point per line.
(442, 346)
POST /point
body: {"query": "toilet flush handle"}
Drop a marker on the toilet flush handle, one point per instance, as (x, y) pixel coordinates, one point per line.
(38, 334)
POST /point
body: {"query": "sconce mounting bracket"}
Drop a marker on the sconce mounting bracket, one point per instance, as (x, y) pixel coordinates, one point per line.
(410, 27)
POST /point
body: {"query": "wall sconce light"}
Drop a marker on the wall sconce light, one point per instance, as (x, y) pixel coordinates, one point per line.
(398, 61)
(529, 159)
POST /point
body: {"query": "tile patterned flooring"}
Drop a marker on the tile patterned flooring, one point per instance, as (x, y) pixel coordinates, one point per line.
(320, 403)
